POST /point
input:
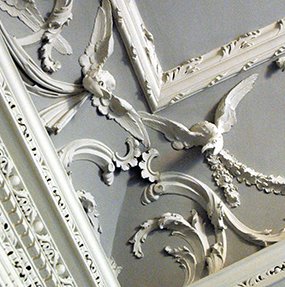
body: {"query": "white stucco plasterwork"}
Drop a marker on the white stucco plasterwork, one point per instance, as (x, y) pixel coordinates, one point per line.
(98, 85)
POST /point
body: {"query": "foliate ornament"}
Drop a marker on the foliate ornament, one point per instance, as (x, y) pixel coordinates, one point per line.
(192, 231)
(242, 42)
(186, 68)
(256, 280)
(60, 16)
(214, 254)
(150, 51)
(47, 31)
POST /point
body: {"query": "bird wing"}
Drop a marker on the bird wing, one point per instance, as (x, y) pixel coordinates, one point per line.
(123, 113)
(225, 116)
(179, 135)
(26, 11)
(101, 44)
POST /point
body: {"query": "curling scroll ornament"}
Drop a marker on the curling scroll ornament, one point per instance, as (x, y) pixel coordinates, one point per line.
(201, 253)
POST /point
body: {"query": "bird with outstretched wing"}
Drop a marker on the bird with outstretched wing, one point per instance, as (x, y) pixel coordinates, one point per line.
(100, 83)
(206, 134)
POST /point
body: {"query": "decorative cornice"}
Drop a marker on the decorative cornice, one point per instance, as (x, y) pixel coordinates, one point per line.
(31, 232)
(58, 198)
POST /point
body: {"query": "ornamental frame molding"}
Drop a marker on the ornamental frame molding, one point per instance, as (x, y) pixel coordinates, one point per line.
(165, 88)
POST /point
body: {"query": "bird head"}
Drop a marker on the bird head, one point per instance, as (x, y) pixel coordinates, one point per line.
(215, 144)
(99, 80)
(105, 80)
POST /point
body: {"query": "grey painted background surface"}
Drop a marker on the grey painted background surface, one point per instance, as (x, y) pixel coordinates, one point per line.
(182, 29)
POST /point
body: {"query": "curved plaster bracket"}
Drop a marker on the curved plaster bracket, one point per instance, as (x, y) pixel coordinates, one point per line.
(90, 150)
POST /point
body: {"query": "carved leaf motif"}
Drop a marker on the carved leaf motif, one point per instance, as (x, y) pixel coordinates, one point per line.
(60, 16)
(192, 231)
(171, 183)
(242, 42)
(185, 258)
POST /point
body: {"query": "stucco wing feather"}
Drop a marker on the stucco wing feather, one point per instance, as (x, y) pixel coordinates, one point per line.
(123, 113)
(26, 11)
(101, 44)
(179, 135)
(225, 116)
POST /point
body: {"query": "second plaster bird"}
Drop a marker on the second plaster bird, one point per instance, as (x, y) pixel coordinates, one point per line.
(206, 134)
(101, 84)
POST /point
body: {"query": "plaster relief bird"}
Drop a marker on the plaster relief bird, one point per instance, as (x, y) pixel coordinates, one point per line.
(206, 134)
(101, 84)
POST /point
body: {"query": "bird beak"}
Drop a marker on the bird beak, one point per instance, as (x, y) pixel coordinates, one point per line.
(215, 146)
(208, 146)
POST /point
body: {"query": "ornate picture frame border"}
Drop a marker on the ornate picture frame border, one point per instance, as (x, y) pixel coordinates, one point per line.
(164, 88)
